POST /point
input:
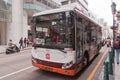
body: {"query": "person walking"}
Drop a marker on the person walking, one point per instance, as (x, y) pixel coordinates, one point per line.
(25, 42)
(117, 48)
(21, 43)
(108, 42)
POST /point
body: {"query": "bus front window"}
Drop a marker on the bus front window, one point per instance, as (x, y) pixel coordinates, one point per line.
(52, 29)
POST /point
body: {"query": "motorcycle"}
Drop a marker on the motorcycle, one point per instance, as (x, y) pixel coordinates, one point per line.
(12, 49)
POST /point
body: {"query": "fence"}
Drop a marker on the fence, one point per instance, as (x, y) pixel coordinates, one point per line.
(108, 65)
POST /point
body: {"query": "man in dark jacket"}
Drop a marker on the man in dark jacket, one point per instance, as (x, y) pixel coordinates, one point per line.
(21, 43)
(117, 49)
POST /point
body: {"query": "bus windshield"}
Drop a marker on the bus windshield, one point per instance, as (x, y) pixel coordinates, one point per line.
(54, 30)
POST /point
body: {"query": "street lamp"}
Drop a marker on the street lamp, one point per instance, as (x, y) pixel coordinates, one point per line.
(113, 7)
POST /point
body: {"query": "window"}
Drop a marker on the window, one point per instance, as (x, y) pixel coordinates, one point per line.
(49, 4)
(65, 2)
(44, 2)
(73, 1)
(39, 0)
(30, 1)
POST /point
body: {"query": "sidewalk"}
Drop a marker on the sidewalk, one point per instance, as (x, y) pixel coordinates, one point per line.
(101, 73)
(3, 48)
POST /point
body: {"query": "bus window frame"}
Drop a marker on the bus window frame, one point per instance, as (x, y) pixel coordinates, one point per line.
(35, 22)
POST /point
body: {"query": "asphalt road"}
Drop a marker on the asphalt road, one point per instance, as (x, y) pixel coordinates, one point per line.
(18, 66)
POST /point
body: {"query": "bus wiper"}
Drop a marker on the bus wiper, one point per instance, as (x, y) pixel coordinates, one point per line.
(62, 51)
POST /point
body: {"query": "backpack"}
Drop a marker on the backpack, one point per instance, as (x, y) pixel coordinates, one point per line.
(117, 44)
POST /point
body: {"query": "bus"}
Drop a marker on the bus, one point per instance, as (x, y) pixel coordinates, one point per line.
(65, 40)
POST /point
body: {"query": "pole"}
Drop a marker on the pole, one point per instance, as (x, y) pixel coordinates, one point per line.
(113, 7)
(113, 28)
(110, 63)
(106, 72)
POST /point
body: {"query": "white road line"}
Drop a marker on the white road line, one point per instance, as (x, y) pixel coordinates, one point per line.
(15, 72)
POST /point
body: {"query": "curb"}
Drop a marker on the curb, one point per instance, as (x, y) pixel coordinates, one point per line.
(26, 48)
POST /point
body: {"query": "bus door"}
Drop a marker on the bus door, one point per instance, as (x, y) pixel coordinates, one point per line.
(79, 41)
(92, 41)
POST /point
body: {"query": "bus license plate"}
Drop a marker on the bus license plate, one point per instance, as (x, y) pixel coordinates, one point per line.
(48, 68)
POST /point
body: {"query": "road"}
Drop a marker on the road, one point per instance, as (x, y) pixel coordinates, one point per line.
(18, 66)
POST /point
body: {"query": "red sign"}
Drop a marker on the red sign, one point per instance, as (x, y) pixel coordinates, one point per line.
(47, 56)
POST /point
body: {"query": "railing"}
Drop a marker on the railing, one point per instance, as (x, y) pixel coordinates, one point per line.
(108, 65)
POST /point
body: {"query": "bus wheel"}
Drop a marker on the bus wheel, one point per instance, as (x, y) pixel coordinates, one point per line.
(85, 61)
(98, 47)
(86, 58)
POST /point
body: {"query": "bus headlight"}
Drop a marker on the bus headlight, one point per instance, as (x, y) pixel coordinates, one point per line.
(34, 60)
(67, 65)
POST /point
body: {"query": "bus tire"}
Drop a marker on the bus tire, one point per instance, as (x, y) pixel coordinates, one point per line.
(98, 49)
(86, 58)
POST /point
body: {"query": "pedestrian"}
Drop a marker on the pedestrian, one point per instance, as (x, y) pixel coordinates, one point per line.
(25, 42)
(108, 42)
(117, 48)
(21, 43)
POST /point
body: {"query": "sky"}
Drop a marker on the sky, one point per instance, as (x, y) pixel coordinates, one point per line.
(102, 8)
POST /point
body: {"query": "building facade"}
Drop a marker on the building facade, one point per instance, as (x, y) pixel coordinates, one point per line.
(5, 17)
(33, 6)
(82, 3)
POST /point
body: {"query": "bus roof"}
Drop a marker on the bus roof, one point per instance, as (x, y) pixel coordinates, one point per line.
(53, 11)
(63, 8)
(69, 7)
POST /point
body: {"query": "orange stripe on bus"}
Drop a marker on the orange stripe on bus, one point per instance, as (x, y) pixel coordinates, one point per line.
(57, 70)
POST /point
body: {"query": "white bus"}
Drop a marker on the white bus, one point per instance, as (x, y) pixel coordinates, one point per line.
(64, 40)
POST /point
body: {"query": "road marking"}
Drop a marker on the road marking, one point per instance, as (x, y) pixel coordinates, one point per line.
(96, 67)
(15, 72)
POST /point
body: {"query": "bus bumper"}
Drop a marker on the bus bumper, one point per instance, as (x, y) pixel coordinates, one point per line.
(53, 69)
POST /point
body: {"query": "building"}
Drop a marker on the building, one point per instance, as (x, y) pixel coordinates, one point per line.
(82, 3)
(33, 6)
(5, 17)
(15, 17)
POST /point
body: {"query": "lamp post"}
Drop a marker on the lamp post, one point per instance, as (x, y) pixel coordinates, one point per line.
(113, 7)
